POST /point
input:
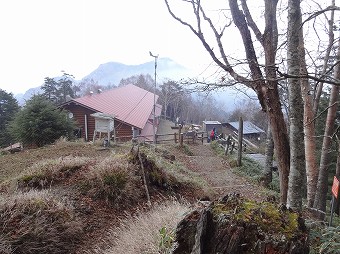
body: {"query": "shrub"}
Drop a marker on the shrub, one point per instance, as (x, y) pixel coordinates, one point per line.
(167, 238)
(171, 175)
(186, 149)
(112, 180)
(40, 123)
(38, 222)
(330, 240)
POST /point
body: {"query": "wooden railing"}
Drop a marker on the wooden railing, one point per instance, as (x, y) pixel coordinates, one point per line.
(176, 137)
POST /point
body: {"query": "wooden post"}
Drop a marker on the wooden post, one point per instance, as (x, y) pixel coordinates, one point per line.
(226, 149)
(175, 134)
(180, 135)
(232, 147)
(144, 178)
(240, 138)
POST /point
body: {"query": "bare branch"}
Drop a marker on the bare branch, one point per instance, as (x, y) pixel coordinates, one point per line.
(314, 15)
(326, 58)
(251, 22)
(225, 66)
(322, 112)
(331, 82)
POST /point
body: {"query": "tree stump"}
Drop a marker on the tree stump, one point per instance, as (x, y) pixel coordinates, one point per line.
(235, 225)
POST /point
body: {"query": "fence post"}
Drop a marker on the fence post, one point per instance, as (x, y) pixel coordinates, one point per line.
(175, 134)
(240, 138)
(180, 135)
(181, 139)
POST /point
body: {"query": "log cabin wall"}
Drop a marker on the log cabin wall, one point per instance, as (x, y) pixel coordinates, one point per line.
(123, 131)
(83, 119)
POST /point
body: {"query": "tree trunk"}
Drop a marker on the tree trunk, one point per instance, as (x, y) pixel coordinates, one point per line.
(337, 173)
(267, 91)
(297, 158)
(309, 127)
(322, 185)
(276, 119)
(312, 170)
(268, 172)
(240, 143)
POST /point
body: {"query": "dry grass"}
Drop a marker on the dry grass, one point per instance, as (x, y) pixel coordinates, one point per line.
(38, 222)
(11, 165)
(141, 233)
(112, 179)
(48, 172)
(176, 170)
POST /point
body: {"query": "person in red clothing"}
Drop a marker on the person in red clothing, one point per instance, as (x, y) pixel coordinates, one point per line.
(212, 134)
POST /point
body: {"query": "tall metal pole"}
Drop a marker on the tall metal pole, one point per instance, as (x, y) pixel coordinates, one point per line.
(154, 99)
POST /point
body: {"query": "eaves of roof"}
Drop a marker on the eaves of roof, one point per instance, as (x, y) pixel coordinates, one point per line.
(129, 104)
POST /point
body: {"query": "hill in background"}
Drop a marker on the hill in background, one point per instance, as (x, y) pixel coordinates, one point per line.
(111, 73)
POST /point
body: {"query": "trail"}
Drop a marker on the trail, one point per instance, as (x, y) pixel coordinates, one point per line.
(218, 174)
(215, 170)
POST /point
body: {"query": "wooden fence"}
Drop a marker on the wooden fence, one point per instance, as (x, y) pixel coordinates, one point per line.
(176, 137)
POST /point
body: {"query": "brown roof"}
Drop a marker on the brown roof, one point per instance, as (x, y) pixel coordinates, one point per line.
(130, 104)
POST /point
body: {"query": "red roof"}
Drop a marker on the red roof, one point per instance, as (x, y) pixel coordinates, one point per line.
(130, 104)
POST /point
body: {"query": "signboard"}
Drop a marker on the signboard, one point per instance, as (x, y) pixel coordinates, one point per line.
(335, 187)
(103, 122)
(103, 125)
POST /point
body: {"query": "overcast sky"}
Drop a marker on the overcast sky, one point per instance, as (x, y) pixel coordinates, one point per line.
(40, 38)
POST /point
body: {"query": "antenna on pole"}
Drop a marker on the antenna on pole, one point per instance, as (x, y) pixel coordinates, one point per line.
(154, 99)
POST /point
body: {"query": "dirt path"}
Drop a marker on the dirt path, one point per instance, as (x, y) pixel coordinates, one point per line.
(214, 169)
(218, 174)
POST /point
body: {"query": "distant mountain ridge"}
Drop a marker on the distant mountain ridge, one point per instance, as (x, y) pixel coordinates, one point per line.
(112, 73)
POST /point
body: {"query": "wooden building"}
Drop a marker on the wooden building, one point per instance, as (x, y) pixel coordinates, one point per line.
(132, 108)
(250, 130)
(209, 125)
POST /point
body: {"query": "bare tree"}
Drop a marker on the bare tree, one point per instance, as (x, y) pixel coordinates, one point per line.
(322, 185)
(264, 83)
(169, 91)
(143, 81)
(86, 86)
(326, 58)
(297, 156)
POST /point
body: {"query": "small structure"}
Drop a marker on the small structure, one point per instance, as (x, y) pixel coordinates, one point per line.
(209, 125)
(250, 130)
(103, 123)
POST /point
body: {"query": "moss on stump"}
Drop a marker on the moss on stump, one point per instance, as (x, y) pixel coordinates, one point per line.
(236, 225)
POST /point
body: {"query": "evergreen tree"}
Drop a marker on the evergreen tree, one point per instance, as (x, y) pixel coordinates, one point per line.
(8, 107)
(40, 122)
(65, 87)
(50, 89)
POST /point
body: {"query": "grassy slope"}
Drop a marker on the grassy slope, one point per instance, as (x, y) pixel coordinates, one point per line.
(13, 164)
(61, 197)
